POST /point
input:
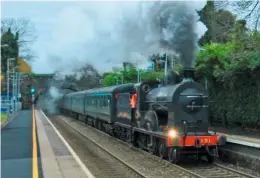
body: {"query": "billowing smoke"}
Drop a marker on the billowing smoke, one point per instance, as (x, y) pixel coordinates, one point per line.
(180, 29)
(48, 102)
(106, 34)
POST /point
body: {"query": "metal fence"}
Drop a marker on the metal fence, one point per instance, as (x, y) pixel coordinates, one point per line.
(14, 107)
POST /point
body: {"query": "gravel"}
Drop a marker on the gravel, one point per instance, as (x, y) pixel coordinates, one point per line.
(98, 162)
(147, 164)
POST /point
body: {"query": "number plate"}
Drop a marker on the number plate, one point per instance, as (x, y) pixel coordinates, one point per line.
(204, 141)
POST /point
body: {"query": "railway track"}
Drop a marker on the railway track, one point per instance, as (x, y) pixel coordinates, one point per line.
(100, 162)
(215, 171)
(187, 171)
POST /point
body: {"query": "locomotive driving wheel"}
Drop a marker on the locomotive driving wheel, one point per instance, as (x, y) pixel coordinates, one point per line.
(173, 155)
(152, 146)
(162, 149)
(150, 121)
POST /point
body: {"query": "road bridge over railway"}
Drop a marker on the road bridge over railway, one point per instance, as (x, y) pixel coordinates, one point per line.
(38, 81)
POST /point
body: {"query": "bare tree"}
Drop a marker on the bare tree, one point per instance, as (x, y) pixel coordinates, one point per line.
(84, 78)
(27, 36)
(250, 10)
(89, 77)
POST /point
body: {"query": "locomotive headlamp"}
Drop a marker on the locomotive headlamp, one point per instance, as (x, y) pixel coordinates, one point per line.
(172, 133)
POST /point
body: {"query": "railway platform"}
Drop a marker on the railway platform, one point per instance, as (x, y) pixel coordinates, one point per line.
(33, 147)
(239, 138)
(18, 148)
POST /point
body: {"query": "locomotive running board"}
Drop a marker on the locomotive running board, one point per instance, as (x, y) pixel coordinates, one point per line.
(135, 129)
(123, 125)
(152, 133)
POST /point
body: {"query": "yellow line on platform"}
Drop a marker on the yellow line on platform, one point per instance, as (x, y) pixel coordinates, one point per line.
(34, 153)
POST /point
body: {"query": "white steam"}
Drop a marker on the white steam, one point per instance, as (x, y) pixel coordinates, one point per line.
(49, 101)
(54, 92)
(106, 34)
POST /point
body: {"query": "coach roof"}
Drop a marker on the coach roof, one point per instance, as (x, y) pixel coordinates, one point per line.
(110, 89)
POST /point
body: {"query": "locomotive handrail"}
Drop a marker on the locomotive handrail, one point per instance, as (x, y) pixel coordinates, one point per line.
(189, 96)
(169, 101)
(197, 106)
(195, 94)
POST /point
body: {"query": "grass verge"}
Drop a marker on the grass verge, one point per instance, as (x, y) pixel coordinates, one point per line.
(3, 118)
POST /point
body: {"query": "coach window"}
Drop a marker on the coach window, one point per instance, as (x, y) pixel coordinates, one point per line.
(102, 101)
(106, 101)
(98, 100)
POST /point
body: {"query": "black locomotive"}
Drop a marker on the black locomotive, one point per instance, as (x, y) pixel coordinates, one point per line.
(169, 119)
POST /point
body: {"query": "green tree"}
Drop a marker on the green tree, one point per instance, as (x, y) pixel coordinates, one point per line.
(232, 71)
(130, 76)
(8, 38)
(219, 23)
(111, 79)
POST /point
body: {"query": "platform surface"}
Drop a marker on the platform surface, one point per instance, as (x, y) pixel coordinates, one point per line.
(58, 158)
(240, 138)
(33, 148)
(17, 147)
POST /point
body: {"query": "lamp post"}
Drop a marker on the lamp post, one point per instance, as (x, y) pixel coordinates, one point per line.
(101, 81)
(138, 75)
(8, 100)
(18, 84)
(14, 96)
(122, 77)
(116, 80)
(15, 74)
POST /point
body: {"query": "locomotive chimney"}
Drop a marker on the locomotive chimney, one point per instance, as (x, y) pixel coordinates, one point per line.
(188, 74)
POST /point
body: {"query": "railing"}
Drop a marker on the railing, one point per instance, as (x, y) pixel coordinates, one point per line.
(14, 107)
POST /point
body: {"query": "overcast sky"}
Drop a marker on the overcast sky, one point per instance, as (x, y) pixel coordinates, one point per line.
(43, 15)
(67, 31)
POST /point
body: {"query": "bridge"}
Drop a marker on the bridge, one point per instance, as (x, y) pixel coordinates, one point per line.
(38, 81)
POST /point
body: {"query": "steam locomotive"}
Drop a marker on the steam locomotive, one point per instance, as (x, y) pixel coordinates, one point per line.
(169, 118)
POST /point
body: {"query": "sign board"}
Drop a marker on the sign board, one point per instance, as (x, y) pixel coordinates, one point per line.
(151, 66)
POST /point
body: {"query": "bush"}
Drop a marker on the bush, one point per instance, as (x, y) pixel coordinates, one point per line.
(233, 76)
